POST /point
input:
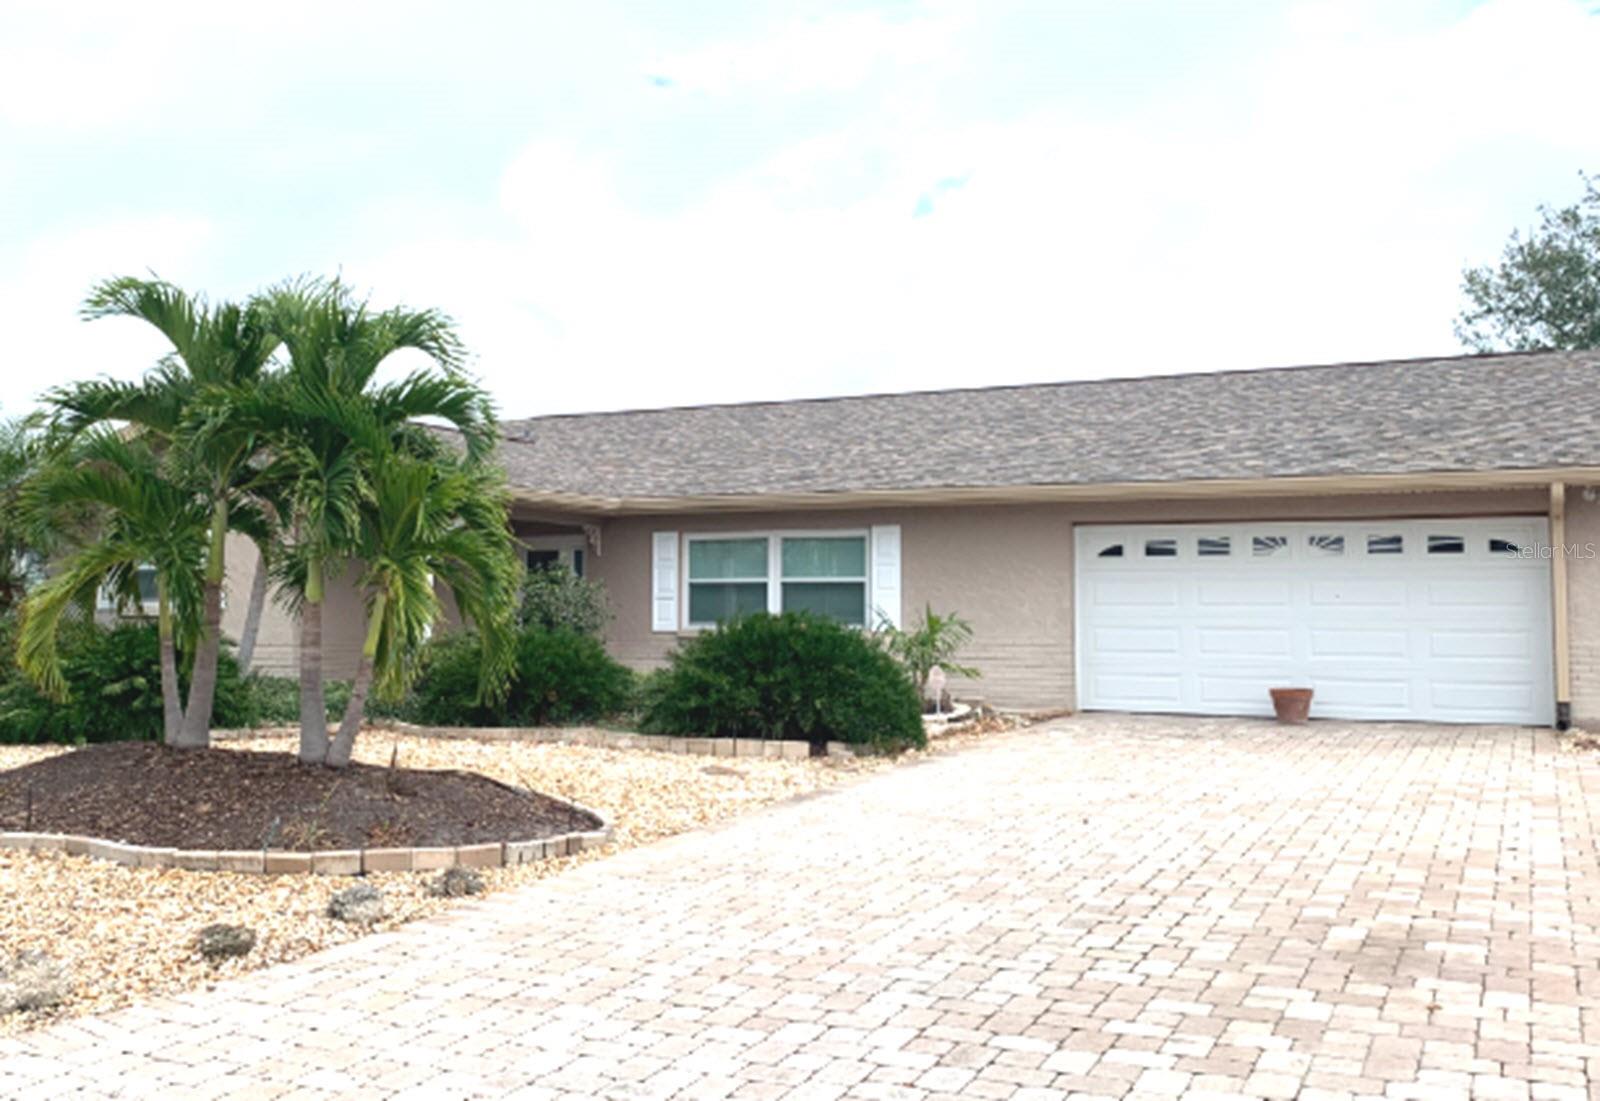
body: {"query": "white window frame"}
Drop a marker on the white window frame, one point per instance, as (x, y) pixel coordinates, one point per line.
(107, 602)
(568, 549)
(774, 579)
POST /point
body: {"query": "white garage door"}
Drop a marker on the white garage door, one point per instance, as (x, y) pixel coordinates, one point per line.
(1442, 620)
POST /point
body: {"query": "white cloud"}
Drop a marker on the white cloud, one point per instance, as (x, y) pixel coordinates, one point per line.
(1329, 222)
(831, 53)
(1314, 204)
(46, 341)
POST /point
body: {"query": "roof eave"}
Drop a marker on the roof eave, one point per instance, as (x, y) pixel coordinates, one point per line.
(1319, 484)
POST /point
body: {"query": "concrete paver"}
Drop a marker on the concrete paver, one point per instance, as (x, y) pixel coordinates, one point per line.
(1110, 907)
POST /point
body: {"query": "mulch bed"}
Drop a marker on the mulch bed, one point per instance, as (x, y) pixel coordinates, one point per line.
(144, 794)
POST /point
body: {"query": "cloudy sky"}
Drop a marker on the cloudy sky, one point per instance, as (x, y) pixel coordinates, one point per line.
(659, 203)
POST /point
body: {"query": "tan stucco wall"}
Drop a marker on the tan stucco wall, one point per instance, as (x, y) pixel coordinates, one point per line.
(278, 640)
(1583, 606)
(1008, 570)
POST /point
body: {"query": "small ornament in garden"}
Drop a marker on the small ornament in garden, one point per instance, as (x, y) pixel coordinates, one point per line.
(936, 679)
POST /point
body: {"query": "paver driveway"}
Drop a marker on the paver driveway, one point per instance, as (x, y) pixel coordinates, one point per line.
(1113, 906)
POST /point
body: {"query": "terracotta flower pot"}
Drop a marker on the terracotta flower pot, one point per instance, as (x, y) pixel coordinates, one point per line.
(1292, 705)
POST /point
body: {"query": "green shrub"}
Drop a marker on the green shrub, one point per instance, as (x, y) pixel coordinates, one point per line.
(275, 701)
(556, 599)
(561, 677)
(446, 691)
(113, 680)
(794, 676)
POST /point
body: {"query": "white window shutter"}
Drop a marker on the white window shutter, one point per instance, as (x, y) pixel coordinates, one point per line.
(664, 581)
(886, 575)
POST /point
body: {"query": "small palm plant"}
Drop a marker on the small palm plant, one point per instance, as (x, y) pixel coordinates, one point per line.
(428, 521)
(139, 518)
(935, 641)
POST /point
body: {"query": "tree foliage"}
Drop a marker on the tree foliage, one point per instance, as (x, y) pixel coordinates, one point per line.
(934, 641)
(1545, 291)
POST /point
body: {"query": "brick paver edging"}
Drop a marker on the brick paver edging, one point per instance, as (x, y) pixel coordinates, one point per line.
(490, 854)
(770, 748)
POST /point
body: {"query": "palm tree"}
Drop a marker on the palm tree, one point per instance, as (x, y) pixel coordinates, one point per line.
(218, 353)
(24, 544)
(142, 520)
(328, 422)
(430, 521)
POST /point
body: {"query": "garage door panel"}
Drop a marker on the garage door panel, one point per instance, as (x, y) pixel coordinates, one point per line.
(1472, 643)
(1389, 693)
(1244, 642)
(1244, 695)
(1136, 592)
(1478, 696)
(1138, 640)
(1355, 593)
(1145, 689)
(1381, 629)
(1267, 593)
(1510, 594)
(1356, 642)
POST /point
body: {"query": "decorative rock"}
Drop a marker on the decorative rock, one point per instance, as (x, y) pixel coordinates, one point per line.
(220, 941)
(455, 882)
(32, 980)
(360, 905)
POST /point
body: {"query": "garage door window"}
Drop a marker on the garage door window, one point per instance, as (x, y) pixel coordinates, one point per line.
(1386, 544)
(1161, 548)
(1214, 546)
(1325, 546)
(1446, 544)
(1265, 546)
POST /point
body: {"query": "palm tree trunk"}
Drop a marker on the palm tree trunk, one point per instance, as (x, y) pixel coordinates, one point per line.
(171, 705)
(313, 703)
(252, 616)
(344, 742)
(196, 733)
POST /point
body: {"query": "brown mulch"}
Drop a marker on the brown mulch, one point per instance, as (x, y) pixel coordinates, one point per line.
(144, 794)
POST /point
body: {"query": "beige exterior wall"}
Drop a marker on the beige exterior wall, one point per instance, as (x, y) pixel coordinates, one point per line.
(1583, 606)
(1006, 568)
(278, 640)
(1009, 571)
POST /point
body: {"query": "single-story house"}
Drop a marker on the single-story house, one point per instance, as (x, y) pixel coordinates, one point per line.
(1414, 539)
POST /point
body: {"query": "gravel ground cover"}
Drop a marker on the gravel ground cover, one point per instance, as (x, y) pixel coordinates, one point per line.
(130, 933)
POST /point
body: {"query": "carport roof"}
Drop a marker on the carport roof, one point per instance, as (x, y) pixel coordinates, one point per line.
(1521, 411)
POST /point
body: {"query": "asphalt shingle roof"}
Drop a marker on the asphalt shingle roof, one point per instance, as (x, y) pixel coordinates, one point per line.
(1472, 413)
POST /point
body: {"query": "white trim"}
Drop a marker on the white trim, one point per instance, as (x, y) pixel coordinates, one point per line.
(885, 570)
(664, 581)
(774, 578)
(566, 547)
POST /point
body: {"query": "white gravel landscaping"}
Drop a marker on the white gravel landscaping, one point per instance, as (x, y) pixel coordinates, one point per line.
(125, 934)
